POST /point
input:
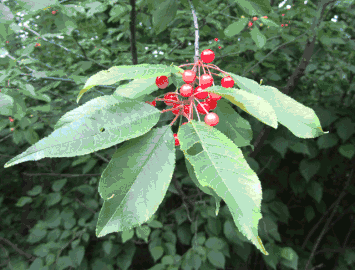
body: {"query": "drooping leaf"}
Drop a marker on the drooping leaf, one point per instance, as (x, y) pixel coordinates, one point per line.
(81, 131)
(220, 165)
(136, 180)
(119, 73)
(309, 168)
(6, 104)
(299, 119)
(249, 102)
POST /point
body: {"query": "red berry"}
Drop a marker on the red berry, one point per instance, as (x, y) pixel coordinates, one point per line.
(12, 129)
(211, 119)
(199, 95)
(202, 105)
(189, 76)
(207, 56)
(250, 24)
(177, 143)
(219, 47)
(176, 112)
(214, 96)
(212, 103)
(255, 18)
(283, 14)
(186, 90)
(154, 103)
(216, 39)
(11, 119)
(187, 109)
(162, 82)
(53, 12)
(282, 25)
(170, 97)
(206, 80)
(286, 24)
(184, 123)
(7, 42)
(227, 82)
(265, 17)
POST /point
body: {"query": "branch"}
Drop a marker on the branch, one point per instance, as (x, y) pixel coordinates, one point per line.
(343, 193)
(293, 80)
(196, 33)
(133, 32)
(27, 255)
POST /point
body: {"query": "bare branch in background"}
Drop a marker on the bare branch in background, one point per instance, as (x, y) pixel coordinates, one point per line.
(196, 33)
(133, 32)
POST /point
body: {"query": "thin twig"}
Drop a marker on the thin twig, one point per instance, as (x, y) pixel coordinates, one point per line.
(19, 251)
(329, 219)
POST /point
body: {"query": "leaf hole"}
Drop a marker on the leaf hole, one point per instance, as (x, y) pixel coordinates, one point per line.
(195, 149)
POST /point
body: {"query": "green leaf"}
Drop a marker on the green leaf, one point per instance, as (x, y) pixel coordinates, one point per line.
(280, 144)
(33, 6)
(309, 168)
(215, 243)
(248, 102)
(127, 235)
(327, 141)
(347, 150)
(269, 227)
(36, 264)
(6, 16)
(115, 74)
(59, 184)
(107, 246)
(258, 37)
(345, 128)
(315, 190)
(6, 104)
(76, 255)
(300, 147)
(221, 166)
(137, 88)
(23, 200)
(35, 190)
(269, 22)
(235, 127)
(95, 7)
(78, 131)
(157, 252)
(143, 232)
(163, 15)
(290, 256)
(255, 7)
(126, 184)
(31, 136)
(236, 27)
(299, 119)
(63, 263)
(53, 198)
(309, 213)
(216, 258)
(53, 218)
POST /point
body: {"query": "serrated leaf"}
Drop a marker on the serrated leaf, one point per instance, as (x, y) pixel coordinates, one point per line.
(248, 102)
(221, 166)
(136, 180)
(119, 73)
(258, 37)
(78, 131)
(236, 27)
(163, 15)
(309, 168)
(233, 125)
(299, 119)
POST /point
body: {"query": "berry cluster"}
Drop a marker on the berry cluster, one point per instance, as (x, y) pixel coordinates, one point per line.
(194, 89)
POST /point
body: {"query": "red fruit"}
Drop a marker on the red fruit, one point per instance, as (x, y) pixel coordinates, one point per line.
(216, 39)
(199, 95)
(153, 103)
(189, 76)
(286, 24)
(283, 14)
(177, 143)
(250, 24)
(214, 96)
(265, 17)
(176, 112)
(170, 97)
(162, 82)
(187, 109)
(207, 56)
(12, 129)
(7, 42)
(186, 90)
(206, 80)
(53, 12)
(202, 105)
(10, 118)
(184, 123)
(255, 18)
(282, 25)
(219, 47)
(227, 82)
(212, 103)
(211, 119)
